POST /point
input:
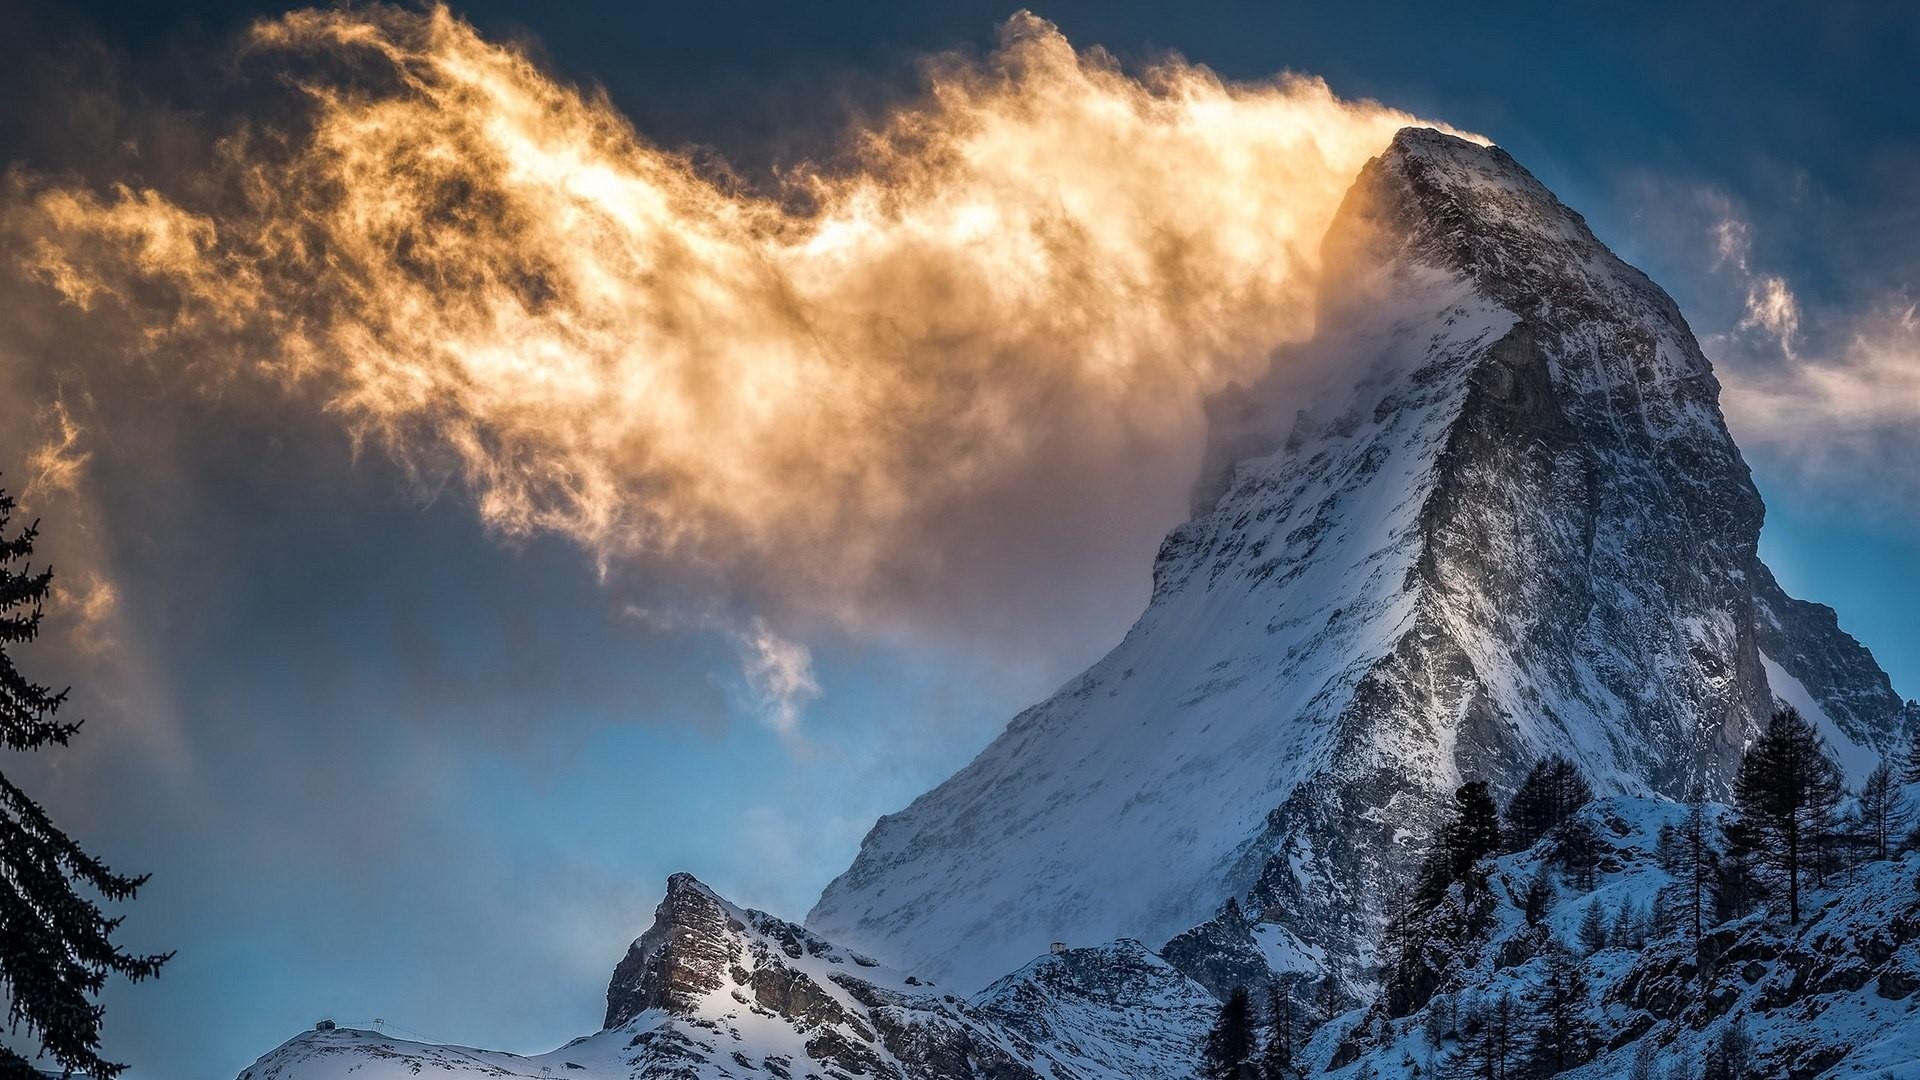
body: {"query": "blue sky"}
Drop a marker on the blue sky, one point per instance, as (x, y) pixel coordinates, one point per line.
(384, 762)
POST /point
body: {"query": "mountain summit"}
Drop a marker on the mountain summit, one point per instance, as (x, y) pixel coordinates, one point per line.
(1509, 522)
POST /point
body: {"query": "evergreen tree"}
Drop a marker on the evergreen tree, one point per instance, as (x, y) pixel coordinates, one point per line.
(1625, 932)
(1431, 881)
(1394, 935)
(1787, 790)
(1439, 1025)
(1565, 1038)
(1488, 1051)
(1552, 791)
(1539, 897)
(1664, 915)
(56, 945)
(1736, 883)
(1501, 1039)
(1427, 933)
(1330, 994)
(1883, 812)
(1620, 930)
(1730, 1056)
(1277, 1056)
(1229, 1051)
(1578, 853)
(1473, 833)
(1593, 928)
(1691, 860)
(1911, 774)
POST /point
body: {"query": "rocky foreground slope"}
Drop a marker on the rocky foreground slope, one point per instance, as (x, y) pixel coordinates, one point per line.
(1837, 996)
(714, 991)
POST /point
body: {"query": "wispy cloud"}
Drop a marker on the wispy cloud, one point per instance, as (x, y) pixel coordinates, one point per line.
(1773, 310)
(998, 303)
(1838, 402)
(1821, 394)
(1771, 307)
(776, 671)
(55, 465)
(1845, 415)
(95, 604)
(779, 673)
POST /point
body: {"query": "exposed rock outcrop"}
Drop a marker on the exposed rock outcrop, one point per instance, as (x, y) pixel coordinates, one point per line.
(713, 990)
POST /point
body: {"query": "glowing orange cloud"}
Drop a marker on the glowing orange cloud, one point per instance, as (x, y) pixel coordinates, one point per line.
(488, 271)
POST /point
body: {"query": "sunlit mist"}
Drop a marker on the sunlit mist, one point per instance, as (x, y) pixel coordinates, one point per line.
(489, 273)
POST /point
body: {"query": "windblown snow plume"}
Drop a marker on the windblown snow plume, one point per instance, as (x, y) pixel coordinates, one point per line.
(493, 277)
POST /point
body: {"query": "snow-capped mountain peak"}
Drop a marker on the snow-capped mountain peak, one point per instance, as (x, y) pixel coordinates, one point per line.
(1508, 520)
(1490, 512)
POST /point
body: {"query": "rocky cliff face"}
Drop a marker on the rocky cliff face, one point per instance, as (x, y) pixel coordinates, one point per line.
(709, 982)
(1510, 522)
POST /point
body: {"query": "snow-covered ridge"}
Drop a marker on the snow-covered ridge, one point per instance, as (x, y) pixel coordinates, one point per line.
(713, 990)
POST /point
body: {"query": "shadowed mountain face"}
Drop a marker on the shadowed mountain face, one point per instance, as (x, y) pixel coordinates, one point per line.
(1509, 522)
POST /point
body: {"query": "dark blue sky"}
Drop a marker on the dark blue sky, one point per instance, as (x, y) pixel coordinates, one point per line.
(384, 763)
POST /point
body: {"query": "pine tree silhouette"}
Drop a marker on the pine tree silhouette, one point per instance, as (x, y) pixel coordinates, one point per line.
(1883, 811)
(1593, 928)
(1565, 1037)
(1277, 1056)
(1474, 832)
(1693, 863)
(1539, 897)
(1229, 1051)
(1552, 791)
(56, 945)
(1786, 790)
(1911, 774)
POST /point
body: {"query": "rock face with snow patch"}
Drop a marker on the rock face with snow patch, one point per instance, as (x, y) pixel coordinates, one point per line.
(710, 983)
(1110, 1010)
(1510, 522)
(712, 990)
